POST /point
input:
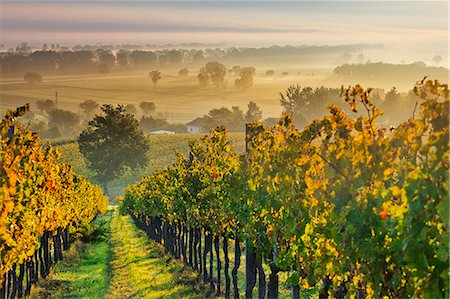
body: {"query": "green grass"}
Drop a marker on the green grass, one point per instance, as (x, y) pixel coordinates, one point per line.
(139, 269)
(83, 273)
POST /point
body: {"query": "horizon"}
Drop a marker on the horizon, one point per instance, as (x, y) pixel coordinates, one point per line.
(396, 24)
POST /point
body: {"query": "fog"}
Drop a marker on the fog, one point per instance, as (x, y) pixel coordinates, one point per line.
(105, 52)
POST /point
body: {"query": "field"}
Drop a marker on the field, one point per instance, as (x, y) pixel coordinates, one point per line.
(181, 99)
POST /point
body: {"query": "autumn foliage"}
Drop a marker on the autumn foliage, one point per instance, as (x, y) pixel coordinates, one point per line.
(345, 203)
(38, 194)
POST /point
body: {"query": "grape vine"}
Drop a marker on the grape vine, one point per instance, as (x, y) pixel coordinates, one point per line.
(344, 206)
(41, 200)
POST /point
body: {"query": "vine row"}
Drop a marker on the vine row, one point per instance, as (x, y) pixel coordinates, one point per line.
(343, 206)
(42, 202)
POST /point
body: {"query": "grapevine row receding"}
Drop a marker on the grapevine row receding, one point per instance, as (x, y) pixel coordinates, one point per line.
(342, 206)
(41, 200)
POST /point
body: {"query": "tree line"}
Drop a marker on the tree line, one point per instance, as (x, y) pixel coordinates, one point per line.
(388, 70)
(89, 59)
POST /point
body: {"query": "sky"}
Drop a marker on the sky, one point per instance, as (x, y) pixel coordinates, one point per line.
(238, 23)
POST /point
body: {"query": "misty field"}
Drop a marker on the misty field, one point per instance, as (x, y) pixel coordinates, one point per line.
(180, 97)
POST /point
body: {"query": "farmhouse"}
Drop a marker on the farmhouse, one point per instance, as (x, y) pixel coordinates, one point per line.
(195, 126)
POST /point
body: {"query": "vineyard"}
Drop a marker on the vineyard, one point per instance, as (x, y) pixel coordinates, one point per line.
(343, 206)
(43, 203)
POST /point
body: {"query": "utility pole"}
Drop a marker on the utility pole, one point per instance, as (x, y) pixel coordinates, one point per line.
(56, 100)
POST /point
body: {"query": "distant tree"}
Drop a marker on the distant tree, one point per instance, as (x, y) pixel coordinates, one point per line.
(163, 60)
(237, 121)
(155, 76)
(113, 143)
(149, 123)
(392, 95)
(216, 72)
(45, 106)
(64, 120)
(232, 119)
(45, 47)
(246, 78)
(89, 107)
(284, 73)
(203, 77)
(183, 72)
(130, 108)
(295, 99)
(103, 69)
(270, 72)
(306, 102)
(147, 107)
(198, 56)
(32, 77)
(235, 70)
(395, 107)
(437, 59)
(122, 57)
(142, 58)
(51, 133)
(253, 113)
(23, 48)
(345, 57)
(103, 56)
(175, 56)
(360, 58)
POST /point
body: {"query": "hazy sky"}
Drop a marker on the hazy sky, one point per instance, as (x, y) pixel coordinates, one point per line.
(233, 22)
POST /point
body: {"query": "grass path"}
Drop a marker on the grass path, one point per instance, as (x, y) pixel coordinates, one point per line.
(83, 273)
(128, 265)
(139, 269)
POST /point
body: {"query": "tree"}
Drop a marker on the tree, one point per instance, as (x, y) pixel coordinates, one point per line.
(89, 106)
(155, 76)
(345, 57)
(183, 72)
(66, 121)
(437, 59)
(235, 70)
(270, 72)
(213, 71)
(122, 57)
(142, 58)
(360, 58)
(301, 102)
(198, 56)
(253, 113)
(175, 56)
(203, 77)
(216, 72)
(232, 119)
(246, 78)
(113, 143)
(32, 77)
(130, 108)
(103, 56)
(395, 108)
(45, 106)
(147, 107)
